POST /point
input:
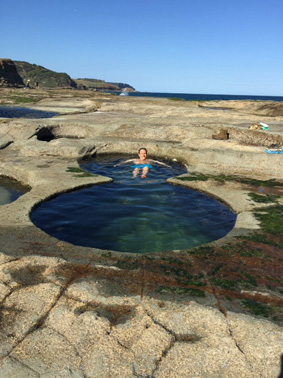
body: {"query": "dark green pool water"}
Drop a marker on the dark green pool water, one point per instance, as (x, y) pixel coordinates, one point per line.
(134, 214)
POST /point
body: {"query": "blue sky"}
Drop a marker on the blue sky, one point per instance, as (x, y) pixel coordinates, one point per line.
(180, 46)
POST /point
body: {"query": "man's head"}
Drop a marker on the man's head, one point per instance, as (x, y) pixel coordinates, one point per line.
(142, 153)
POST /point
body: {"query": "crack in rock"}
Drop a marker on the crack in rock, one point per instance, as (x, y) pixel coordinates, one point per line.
(9, 261)
(42, 319)
(81, 367)
(117, 339)
(175, 338)
(6, 296)
(223, 311)
(13, 363)
(178, 338)
(37, 324)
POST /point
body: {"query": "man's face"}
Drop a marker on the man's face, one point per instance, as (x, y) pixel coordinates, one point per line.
(142, 154)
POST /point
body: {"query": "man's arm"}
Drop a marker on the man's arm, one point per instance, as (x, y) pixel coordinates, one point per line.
(123, 162)
(159, 162)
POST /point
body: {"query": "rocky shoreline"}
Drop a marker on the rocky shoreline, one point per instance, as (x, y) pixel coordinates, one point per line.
(69, 311)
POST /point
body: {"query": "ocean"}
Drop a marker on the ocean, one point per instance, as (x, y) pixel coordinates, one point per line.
(203, 97)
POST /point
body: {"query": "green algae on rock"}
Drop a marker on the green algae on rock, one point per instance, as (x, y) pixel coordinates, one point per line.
(81, 172)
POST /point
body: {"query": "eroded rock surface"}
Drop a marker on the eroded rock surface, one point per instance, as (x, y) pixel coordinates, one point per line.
(58, 321)
(69, 311)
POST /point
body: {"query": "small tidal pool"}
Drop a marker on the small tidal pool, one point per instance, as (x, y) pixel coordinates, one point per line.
(132, 214)
(10, 190)
(18, 112)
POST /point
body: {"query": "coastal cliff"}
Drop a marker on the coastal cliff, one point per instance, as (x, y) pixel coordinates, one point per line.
(33, 74)
(19, 74)
(101, 85)
(9, 75)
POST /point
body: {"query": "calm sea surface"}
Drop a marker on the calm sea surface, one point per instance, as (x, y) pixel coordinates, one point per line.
(204, 97)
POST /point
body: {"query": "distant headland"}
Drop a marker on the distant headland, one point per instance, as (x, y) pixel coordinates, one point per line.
(23, 74)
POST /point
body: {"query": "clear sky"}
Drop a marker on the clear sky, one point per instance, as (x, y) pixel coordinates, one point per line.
(180, 46)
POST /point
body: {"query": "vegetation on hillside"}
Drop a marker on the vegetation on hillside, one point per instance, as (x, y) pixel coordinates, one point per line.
(19, 74)
(101, 85)
(44, 77)
(95, 84)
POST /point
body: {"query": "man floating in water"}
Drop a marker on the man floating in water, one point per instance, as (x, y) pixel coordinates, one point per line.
(143, 163)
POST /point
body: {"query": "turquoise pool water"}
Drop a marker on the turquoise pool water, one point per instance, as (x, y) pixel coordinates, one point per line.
(134, 214)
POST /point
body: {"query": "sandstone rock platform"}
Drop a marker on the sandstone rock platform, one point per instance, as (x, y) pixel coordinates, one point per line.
(213, 311)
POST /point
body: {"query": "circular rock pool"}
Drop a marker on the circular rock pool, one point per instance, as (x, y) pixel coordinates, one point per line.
(132, 214)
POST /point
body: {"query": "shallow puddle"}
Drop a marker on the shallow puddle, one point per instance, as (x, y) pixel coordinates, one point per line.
(18, 112)
(10, 190)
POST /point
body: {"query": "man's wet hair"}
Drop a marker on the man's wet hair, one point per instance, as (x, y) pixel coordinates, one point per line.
(142, 148)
